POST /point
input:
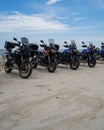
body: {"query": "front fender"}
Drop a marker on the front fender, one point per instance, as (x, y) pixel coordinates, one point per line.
(91, 57)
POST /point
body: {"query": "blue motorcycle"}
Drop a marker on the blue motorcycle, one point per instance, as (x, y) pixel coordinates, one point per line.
(69, 56)
(100, 53)
(87, 55)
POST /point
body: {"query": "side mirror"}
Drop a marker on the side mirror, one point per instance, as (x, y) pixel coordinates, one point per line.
(15, 39)
(83, 42)
(19, 43)
(65, 42)
(41, 41)
(102, 43)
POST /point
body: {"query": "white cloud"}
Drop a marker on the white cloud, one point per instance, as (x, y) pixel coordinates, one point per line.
(20, 22)
(75, 13)
(50, 2)
(79, 18)
(98, 3)
(37, 23)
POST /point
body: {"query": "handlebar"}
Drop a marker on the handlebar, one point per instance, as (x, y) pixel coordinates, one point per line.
(42, 45)
(66, 46)
(84, 45)
(18, 42)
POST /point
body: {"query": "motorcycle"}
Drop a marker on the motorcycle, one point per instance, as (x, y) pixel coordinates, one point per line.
(100, 53)
(18, 57)
(88, 55)
(69, 56)
(45, 58)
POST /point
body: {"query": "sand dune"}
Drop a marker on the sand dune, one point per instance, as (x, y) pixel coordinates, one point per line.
(64, 100)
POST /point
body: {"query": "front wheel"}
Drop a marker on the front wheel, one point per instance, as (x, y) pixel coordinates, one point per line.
(92, 62)
(52, 66)
(25, 69)
(74, 64)
(7, 67)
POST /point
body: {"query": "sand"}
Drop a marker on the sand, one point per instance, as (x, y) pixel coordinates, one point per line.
(64, 100)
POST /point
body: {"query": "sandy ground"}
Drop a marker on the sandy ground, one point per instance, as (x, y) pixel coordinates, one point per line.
(64, 100)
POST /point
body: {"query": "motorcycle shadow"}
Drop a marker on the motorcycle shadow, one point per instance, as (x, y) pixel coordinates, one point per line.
(63, 66)
(100, 61)
(67, 68)
(84, 64)
(14, 74)
(42, 69)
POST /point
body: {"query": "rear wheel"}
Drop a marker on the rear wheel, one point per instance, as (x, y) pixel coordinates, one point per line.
(7, 67)
(25, 69)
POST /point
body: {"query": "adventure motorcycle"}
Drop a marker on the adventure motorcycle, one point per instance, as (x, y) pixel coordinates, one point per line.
(18, 57)
(88, 55)
(69, 56)
(100, 53)
(45, 58)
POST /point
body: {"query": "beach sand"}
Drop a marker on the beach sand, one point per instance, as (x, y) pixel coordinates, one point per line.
(64, 100)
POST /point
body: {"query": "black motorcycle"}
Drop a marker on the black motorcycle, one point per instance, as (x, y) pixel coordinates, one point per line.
(45, 58)
(18, 58)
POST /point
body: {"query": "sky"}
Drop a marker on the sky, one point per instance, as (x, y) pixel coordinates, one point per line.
(61, 20)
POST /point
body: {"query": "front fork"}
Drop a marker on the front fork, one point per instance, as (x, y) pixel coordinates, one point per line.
(50, 58)
(23, 60)
(74, 57)
(91, 57)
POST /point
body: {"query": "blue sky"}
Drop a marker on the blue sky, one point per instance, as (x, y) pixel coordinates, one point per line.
(81, 20)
